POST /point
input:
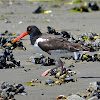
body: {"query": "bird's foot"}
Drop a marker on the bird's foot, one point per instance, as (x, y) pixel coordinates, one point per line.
(46, 72)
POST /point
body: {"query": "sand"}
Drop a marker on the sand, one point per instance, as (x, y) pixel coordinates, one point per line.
(60, 19)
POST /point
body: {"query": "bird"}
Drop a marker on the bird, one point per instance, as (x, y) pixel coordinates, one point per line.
(51, 46)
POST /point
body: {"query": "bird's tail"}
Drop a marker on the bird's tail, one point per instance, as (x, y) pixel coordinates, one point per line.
(86, 49)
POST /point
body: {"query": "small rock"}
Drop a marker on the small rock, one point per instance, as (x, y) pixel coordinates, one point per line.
(74, 97)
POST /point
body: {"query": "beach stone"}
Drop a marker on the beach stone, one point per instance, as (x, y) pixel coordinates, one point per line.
(74, 97)
(95, 85)
(93, 98)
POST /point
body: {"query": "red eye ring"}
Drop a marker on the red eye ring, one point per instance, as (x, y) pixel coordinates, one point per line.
(29, 29)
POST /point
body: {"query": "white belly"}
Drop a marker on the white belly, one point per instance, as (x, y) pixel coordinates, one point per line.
(54, 53)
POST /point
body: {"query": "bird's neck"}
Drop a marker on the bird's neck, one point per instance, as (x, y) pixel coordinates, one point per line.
(33, 39)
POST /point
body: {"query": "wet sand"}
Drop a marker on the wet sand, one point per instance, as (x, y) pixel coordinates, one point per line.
(20, 14)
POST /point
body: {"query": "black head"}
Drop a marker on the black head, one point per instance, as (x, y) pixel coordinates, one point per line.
(34, 33)
(33, 30)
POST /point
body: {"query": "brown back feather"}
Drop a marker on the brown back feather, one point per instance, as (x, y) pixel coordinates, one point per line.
(61, 44)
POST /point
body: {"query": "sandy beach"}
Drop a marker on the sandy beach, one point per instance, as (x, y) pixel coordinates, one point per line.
(20, 15)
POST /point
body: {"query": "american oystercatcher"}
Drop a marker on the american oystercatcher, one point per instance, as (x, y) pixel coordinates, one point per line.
(51, 46)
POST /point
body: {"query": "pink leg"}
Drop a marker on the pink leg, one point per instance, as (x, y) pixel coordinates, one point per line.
(60, 64)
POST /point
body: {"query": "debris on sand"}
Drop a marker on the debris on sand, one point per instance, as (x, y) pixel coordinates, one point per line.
(8, 91)
(61, 97)
(6, 41)
(87, 7)
(55, 78)
(41, 59)
(40, 9)
(80, 9)
(93, 6)
(7, 59)
(91, 93)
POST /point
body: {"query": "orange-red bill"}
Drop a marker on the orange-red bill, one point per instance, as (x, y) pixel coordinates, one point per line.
(19, 37)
